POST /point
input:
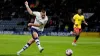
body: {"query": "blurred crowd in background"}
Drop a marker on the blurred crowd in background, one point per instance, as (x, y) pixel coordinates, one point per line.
(14, 16)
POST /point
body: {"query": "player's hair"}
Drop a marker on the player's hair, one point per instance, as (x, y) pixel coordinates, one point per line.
(43, 10)
(81, 10)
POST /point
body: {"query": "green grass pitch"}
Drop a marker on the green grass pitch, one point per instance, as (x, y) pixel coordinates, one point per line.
(53, 46)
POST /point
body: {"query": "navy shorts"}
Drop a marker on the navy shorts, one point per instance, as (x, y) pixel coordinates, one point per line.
(35, 30)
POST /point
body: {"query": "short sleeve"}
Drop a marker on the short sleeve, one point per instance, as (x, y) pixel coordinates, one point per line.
(74, 16)
(35, 13)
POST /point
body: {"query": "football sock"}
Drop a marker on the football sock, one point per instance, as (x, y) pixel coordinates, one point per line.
(76, 38)
(38, 43)
(75, 41)
(25, 47)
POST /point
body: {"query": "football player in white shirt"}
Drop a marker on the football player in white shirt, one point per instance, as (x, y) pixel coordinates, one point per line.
(36, 28)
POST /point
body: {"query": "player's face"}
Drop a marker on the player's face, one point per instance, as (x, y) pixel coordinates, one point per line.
(43, 15)
(79, 11)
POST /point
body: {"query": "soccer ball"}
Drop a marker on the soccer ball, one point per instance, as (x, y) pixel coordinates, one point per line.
(69, 52)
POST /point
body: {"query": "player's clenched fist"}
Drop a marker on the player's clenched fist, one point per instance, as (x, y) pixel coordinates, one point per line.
(30, 24)
(26, 3)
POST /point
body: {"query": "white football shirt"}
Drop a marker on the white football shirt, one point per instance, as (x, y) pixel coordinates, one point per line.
(39, 20)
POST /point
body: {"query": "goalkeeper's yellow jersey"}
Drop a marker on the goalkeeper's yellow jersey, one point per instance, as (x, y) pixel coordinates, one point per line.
(78, 20)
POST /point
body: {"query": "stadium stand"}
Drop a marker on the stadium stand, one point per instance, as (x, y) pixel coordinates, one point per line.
(13, 15)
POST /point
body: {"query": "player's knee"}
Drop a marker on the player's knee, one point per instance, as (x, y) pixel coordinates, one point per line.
(35, 34)
(77, 33)
(31, 41)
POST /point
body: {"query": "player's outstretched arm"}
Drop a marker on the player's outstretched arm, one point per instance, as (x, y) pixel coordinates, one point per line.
(85, 22)
(73, 20)
(28, 8)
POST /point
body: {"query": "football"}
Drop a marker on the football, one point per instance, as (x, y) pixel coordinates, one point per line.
(69, 52)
